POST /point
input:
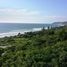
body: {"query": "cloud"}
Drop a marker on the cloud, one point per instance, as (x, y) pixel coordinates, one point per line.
(24, 16)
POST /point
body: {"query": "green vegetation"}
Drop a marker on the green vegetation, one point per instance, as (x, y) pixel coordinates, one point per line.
(45, 48)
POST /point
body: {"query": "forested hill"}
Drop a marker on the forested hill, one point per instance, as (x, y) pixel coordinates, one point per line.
(45, 48)
(60, 23)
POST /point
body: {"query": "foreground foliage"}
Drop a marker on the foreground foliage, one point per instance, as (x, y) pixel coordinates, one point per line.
(45, 48)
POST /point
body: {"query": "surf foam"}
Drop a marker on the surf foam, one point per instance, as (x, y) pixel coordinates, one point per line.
(15, 32)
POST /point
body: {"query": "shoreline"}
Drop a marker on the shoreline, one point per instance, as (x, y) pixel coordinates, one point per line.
(15, 32)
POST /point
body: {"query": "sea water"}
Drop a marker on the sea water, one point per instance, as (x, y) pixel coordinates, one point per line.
(11, 29)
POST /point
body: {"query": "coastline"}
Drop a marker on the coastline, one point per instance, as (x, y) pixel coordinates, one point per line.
(15, 32)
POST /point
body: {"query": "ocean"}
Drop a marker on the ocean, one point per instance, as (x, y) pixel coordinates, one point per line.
(11, 29)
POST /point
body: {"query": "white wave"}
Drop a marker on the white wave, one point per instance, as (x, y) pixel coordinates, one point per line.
(15, 32)
(46, 27)
(37, 29)
(8, 34)
(11, 33)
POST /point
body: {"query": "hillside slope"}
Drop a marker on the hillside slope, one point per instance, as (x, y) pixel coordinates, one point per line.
(60, 23)
(45, 48)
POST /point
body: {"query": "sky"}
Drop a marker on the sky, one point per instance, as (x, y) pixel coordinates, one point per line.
(33, 11)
